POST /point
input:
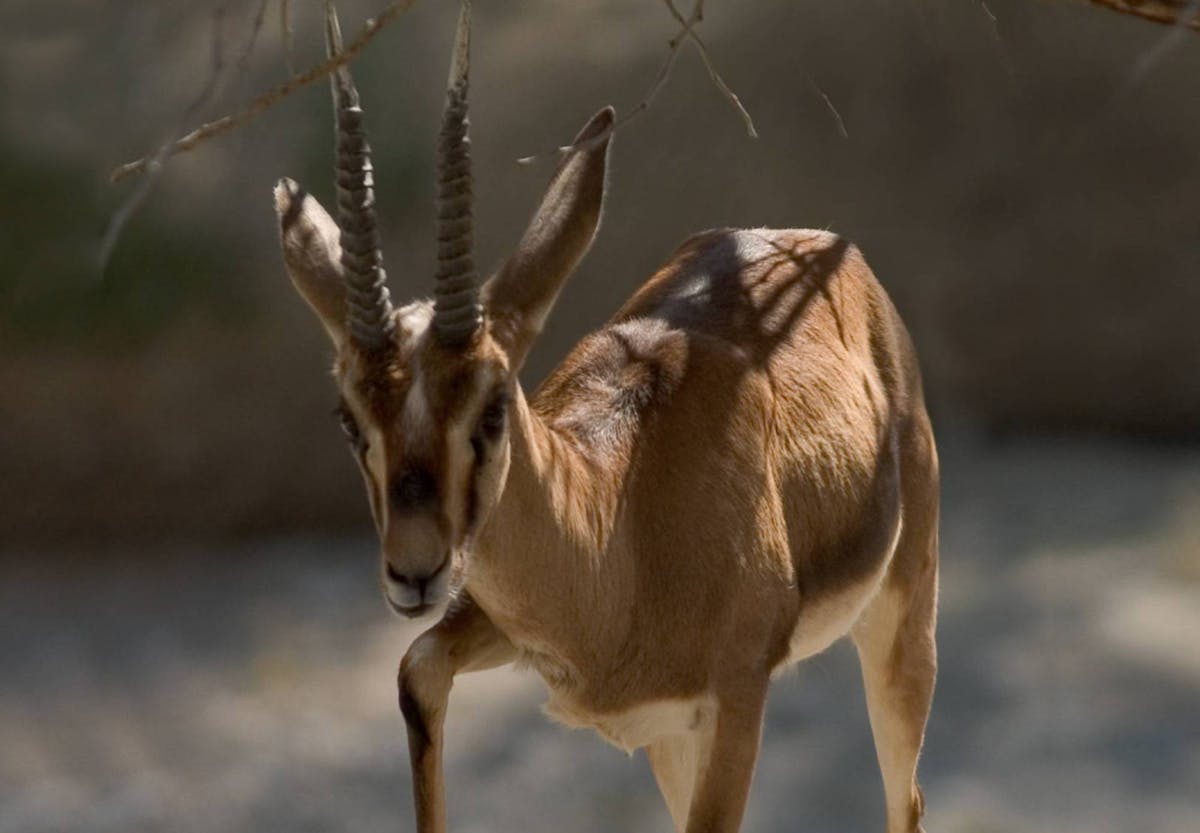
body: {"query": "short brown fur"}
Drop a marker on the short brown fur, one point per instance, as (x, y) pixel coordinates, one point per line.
(732, 473)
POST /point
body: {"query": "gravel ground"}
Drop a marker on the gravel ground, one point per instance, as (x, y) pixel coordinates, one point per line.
(252, 688)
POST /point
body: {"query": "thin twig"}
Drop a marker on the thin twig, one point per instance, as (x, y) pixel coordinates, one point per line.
(697, 16)
(1169, 42)
(841, 124)
(1170, 12)
(660, 79)
(285, 28)
(997, 38)
(272, 97)
(255, 31)
(121, 217)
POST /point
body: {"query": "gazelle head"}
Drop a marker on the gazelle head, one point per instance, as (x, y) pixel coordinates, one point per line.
(426, 389)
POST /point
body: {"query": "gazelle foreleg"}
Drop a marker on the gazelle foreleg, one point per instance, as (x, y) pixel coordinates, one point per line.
(674, 759)
(464, 640)
(726, 762)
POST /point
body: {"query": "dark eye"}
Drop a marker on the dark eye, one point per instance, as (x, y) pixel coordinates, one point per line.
(491, 421)
(349, 426)
(413, 489)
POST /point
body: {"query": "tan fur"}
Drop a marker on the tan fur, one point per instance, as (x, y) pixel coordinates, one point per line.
(735, 471)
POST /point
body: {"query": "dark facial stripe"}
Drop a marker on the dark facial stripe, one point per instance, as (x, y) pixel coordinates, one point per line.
(472, 507)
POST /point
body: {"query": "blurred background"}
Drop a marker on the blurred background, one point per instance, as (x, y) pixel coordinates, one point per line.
(190, 633)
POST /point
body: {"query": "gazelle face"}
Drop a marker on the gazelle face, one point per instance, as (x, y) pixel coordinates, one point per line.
(425, 399)
(429, 429)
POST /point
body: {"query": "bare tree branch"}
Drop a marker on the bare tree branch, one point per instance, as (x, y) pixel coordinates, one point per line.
(285, 29)
(126, 211)
(1172, 12)
(255, 30)
(841, 124)
(660, 78)
(697, 16)
(686, 32)
(270, 98)
(664, 71)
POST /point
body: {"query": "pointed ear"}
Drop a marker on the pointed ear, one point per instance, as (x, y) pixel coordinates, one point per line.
(311, 251)
(520, 296)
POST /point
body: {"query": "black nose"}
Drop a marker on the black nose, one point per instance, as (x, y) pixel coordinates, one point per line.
(416, 582)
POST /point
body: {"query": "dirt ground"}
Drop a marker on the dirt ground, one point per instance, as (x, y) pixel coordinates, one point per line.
(184, 689)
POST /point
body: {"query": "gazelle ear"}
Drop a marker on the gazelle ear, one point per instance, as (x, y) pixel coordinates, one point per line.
(312, 254)
(520, 296)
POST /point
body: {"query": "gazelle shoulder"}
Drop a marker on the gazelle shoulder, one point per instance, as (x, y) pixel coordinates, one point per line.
(602, 389)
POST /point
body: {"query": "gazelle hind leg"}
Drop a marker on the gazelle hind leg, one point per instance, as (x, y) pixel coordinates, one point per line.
(895, 642)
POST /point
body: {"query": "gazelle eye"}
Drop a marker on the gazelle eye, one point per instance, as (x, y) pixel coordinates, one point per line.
(349, 425)
(491, 421)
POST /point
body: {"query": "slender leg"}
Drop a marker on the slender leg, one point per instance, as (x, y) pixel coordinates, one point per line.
(895, 641)
(723, 780)
(464, 640)
(674, 760)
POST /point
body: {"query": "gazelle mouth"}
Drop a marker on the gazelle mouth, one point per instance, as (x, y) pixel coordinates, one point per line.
(412, 599)
(414, 612)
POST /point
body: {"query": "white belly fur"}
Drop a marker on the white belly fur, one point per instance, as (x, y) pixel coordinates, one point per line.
(825, 621)
(820, 625)
(643, 724)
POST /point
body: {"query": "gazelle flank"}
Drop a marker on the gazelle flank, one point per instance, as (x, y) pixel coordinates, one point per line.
(734, 472)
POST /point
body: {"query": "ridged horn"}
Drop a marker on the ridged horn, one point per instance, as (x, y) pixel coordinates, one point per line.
(368, 306)
(457, 312)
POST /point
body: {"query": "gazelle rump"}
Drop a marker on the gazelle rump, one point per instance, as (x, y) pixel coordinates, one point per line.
(734, 472)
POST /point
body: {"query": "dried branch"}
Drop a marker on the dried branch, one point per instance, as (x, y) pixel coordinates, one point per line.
(285, 29)
(1155, 55)
(686, 32)
(270, 98)
(841, 124)
(255, 31)
(126, 211)
(689, 31)
(664, 71)
(1171, 12)
(994, 28)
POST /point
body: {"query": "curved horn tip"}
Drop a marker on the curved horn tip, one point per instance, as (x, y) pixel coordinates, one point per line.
(460, 64)
(333, 30)
(344, 92)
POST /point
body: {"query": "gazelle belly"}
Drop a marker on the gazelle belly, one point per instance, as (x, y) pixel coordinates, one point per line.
(640, 725)
(823, 621)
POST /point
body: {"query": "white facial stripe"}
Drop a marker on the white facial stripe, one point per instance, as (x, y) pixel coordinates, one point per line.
(413, 321)
(416, 419)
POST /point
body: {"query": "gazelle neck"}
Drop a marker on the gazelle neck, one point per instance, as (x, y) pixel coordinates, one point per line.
(545, 546)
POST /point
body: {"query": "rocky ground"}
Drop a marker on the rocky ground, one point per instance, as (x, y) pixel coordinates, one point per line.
(182, 689)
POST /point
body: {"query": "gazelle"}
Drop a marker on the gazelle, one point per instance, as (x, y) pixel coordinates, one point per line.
(734, 472)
